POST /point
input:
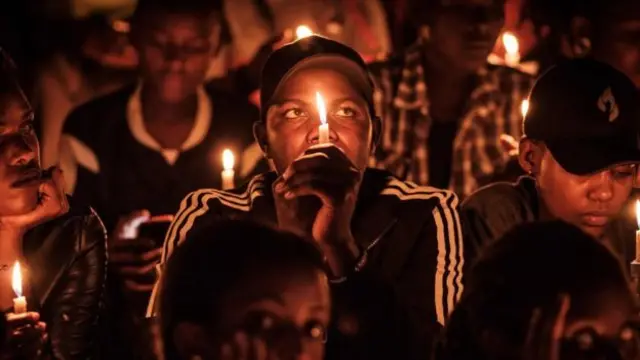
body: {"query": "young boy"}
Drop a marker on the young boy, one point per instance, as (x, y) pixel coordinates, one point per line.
(581, 149)
(394, 248)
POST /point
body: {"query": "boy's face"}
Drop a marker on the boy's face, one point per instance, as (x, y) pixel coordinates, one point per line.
(292, 124)
(175, 52)
(464, 32)
(288, 308)
(587, 201)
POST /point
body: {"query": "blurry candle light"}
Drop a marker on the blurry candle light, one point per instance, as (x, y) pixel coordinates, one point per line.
(228, 174)
(20, 302)
(512, 49)
(524, 107)
(303, 31)
(323, 131)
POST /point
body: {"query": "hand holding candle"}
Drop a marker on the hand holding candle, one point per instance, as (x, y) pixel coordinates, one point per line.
(20, 302)
(323, 131)
(228, 173)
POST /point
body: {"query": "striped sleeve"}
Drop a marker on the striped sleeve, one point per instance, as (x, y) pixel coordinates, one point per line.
(450, 256)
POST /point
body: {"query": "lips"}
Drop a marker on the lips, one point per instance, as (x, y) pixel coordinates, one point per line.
(596, 219)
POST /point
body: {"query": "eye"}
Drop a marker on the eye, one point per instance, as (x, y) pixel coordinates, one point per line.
(316, 330)
(625, 171)
(346, 111)
(294, 113)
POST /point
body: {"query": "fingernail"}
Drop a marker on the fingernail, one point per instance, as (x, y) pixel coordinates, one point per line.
(288, 195)
(279, 187)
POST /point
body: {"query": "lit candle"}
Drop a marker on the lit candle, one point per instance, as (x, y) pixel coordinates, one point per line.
(638, 231)
(303, 31)
(512, 49)
(20, 302)
(524, 107)
(228, 174)
(323, 131)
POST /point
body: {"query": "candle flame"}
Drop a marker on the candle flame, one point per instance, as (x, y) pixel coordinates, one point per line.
(228, 161)
(322, 109)
(524, 107)
(303, 31)
(16, 279)
(510, 42)
(638, 212)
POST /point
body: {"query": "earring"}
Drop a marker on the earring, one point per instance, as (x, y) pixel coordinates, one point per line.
(582, 47)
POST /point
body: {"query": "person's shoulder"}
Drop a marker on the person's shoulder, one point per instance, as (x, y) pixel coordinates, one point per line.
(500, 198)
(99, 112)
(411, 195)
(240, 199)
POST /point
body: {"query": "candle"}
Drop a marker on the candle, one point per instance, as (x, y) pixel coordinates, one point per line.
(20, 302)
(303, 31)
(638, 231)
(227, 174)
(323, 131)
(512, 49)
(524, 108)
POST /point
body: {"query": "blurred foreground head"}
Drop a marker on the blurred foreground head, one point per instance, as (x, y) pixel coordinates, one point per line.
(240, 277)
(528, 270)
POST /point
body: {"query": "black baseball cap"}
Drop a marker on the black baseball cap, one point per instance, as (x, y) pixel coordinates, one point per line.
(313, 52)
(587, 114)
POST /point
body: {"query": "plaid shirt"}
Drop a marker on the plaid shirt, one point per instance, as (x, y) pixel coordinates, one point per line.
(493, 109)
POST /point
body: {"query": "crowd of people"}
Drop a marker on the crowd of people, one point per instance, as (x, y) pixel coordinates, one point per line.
(378, 198)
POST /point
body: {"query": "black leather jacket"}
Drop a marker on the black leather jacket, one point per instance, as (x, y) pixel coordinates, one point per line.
(67, 262)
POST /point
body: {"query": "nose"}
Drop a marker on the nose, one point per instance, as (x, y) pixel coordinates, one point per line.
(173, 57)
(313, 132)
(601, 187)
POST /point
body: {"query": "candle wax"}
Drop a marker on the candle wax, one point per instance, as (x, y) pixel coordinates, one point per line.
(227, 179)
(323, 136)
(20, 305)
(638, 245)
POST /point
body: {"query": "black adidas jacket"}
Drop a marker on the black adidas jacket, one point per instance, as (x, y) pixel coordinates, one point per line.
(413, 274)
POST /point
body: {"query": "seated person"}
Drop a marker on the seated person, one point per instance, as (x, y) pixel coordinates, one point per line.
(383, 239)
(219, 300)
(580, 150)
(544, 291)
(137, 152)
(61, 248)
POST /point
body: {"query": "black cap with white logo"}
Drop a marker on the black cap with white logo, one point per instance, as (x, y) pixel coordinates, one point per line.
(588, 115)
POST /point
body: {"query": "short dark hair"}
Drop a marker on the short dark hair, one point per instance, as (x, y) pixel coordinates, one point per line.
(214, 260)
(527, 268)
(191, 7)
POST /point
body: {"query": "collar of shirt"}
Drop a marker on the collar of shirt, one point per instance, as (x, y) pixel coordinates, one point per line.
(135, 120)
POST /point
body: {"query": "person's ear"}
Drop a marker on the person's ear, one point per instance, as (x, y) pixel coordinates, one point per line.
(191, 341)
(376, 133)
(580, 33)
(530, 155)
(260, 135)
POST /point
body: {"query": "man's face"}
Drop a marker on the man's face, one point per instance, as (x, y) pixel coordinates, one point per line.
(292, 124)
(619, 45)
(587, 201)
(19, 154)
(175, 51)
(464, 32)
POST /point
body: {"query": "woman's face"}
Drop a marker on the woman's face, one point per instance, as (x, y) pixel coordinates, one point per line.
(287, 308)
(602, 326)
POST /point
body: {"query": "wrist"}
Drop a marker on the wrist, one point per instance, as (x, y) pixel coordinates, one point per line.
(10, 243)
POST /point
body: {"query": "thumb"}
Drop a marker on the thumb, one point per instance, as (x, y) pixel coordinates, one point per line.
(509, 144)
(127, 227)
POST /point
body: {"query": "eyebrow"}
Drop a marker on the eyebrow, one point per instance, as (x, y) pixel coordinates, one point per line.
(265, 296)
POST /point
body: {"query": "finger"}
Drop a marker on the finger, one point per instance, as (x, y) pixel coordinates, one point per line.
(558, 327)
(242, 345)
(57, 178)
(326, 157)
(127, 227)
(137, 270)
(226, 352)
(18, 320)
(259, 349)
(532, 331)
(132, 256)
(346, 177)
(330, 194)
(137, 287)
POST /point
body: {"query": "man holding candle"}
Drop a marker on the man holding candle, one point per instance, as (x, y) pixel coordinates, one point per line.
(394, 248)
(443, 105)
(137, 152)
(60, 249)
(581, 150)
